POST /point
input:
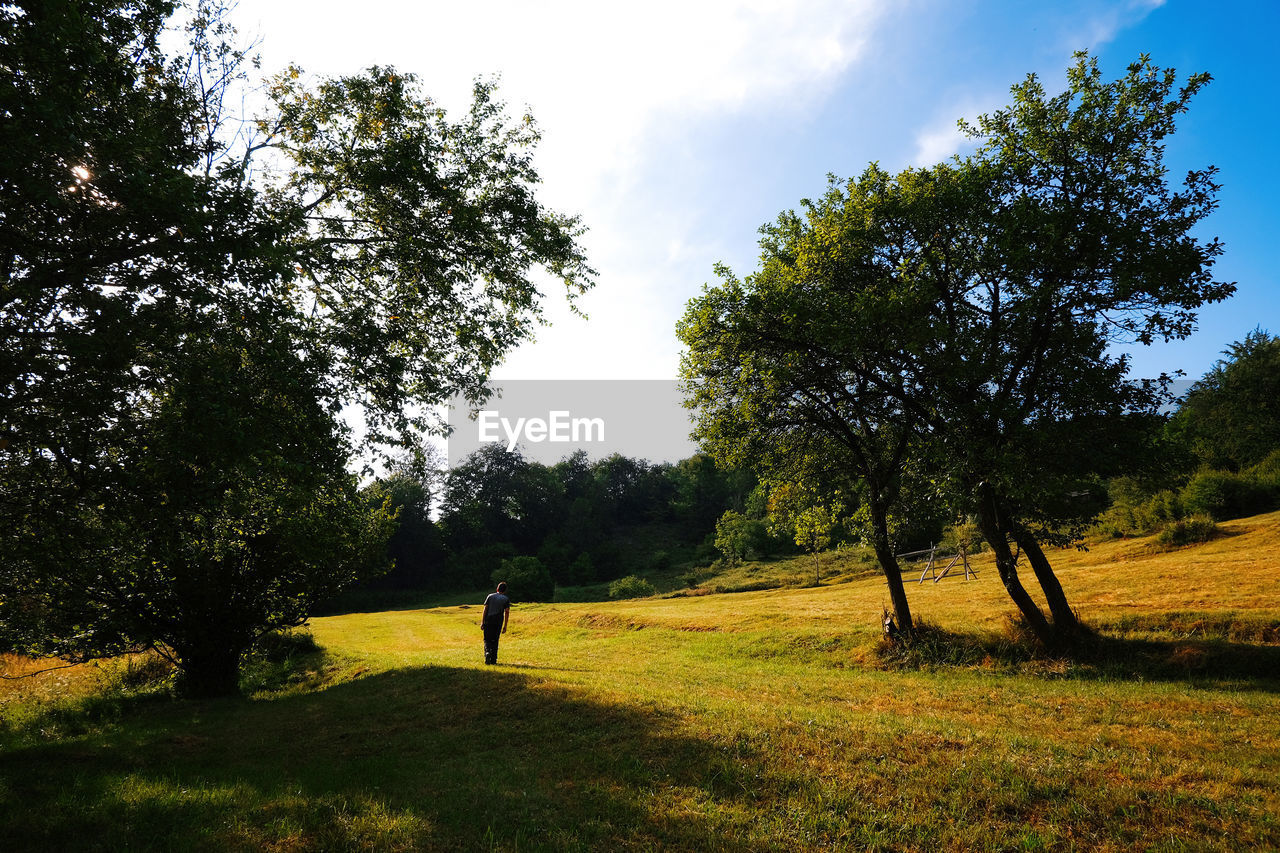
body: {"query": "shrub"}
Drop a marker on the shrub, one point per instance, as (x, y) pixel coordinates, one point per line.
(1185, 531)
(1267, 471)
(1222, 495)
(660, 561)
(279, 646)
(1165, 506)
(631, 587)
(145, 670)
(526, 578)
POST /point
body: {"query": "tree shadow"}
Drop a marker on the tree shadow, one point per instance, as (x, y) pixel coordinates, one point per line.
(1245, 665)
(1094, 655)
(434, 757)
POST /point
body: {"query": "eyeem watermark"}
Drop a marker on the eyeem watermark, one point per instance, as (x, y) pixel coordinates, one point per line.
(559, 427)
(547, 420)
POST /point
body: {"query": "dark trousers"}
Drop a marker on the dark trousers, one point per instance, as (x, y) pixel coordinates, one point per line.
(491, 636)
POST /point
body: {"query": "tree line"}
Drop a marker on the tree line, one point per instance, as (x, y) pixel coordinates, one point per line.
(579, 522)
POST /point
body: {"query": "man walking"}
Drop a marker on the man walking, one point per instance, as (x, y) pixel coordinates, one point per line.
(497, 610)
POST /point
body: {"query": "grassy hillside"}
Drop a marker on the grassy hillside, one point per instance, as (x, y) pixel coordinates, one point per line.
(753, 720)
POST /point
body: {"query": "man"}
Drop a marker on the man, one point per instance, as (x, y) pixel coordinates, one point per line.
(497, 610)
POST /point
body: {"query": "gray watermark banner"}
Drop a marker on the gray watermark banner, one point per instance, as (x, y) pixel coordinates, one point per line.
(549, 419)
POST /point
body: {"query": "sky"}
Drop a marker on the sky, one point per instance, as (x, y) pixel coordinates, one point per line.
(676, 129)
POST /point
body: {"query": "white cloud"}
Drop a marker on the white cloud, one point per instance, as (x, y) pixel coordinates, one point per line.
(1107, 24)
(615, 88)
(937, 143)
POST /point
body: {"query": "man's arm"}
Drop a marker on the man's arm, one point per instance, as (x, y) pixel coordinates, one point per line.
(506, 617)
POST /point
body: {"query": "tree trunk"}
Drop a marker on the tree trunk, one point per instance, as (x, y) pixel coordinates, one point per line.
(1006, 565)
(1064, 619)
(889, 565)
(817, 570)
(210, 673)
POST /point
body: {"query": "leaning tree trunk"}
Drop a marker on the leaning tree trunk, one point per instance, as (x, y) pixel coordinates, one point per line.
(1006, 566)
(1064, 618)
(889, 565)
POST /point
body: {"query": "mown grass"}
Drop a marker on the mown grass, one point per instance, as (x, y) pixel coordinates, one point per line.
(771, 720)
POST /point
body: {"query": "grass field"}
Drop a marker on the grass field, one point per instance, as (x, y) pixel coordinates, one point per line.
(770, 720)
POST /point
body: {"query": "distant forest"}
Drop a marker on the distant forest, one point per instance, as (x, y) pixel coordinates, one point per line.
(588, 522)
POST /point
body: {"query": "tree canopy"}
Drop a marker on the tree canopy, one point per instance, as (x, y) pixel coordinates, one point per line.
(1230, 418)
(957, 325)
(190, 297)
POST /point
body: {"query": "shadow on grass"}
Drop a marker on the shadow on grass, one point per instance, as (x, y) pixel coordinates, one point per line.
(433, 758)
(1207, 659)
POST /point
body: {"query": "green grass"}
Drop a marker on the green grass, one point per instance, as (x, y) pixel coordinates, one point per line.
(771, 720)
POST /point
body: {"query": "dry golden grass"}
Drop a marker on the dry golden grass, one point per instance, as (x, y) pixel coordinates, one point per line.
(24, 679)
(756, 720)
(1237, 572)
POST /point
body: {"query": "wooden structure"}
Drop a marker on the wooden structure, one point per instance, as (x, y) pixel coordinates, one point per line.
(931, 566)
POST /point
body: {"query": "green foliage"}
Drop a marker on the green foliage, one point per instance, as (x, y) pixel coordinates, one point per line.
(582, 570)
(988, 293)
(526, 578)
(193, 297)
(415, 549)
(1223, 495)
(1220, 495)
(579, 516)
(1188, 531)
(631, 587)
(232, 516)
(731, 537)
(1230, 419)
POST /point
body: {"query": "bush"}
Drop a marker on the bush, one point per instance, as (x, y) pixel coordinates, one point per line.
(143, 671)
(660, 561)
(1185, 531)
(631, 587)
(526, 578)
(1267, 472)
(279, 646)
(1165, 506)
(1222, 495)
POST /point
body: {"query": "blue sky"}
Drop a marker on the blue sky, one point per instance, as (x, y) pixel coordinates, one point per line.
(675, 129)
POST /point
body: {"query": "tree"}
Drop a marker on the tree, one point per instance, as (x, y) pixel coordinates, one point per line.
(497, 496)
(733, 537)
(953, 324)
(370, 250)
(230, 515)
(415, 548)
(1085, 245)
(526, 578)
(783, 379)
(1230, 419)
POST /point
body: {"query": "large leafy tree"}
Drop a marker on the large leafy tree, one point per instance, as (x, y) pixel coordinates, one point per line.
(352, 239)
(1087, 245)
(807, 369)
(967, 314)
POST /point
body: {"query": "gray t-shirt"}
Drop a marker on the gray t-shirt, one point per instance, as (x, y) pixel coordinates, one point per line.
(494, 607)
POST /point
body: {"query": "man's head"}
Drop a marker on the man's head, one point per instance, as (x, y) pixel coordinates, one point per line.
(502, 587)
